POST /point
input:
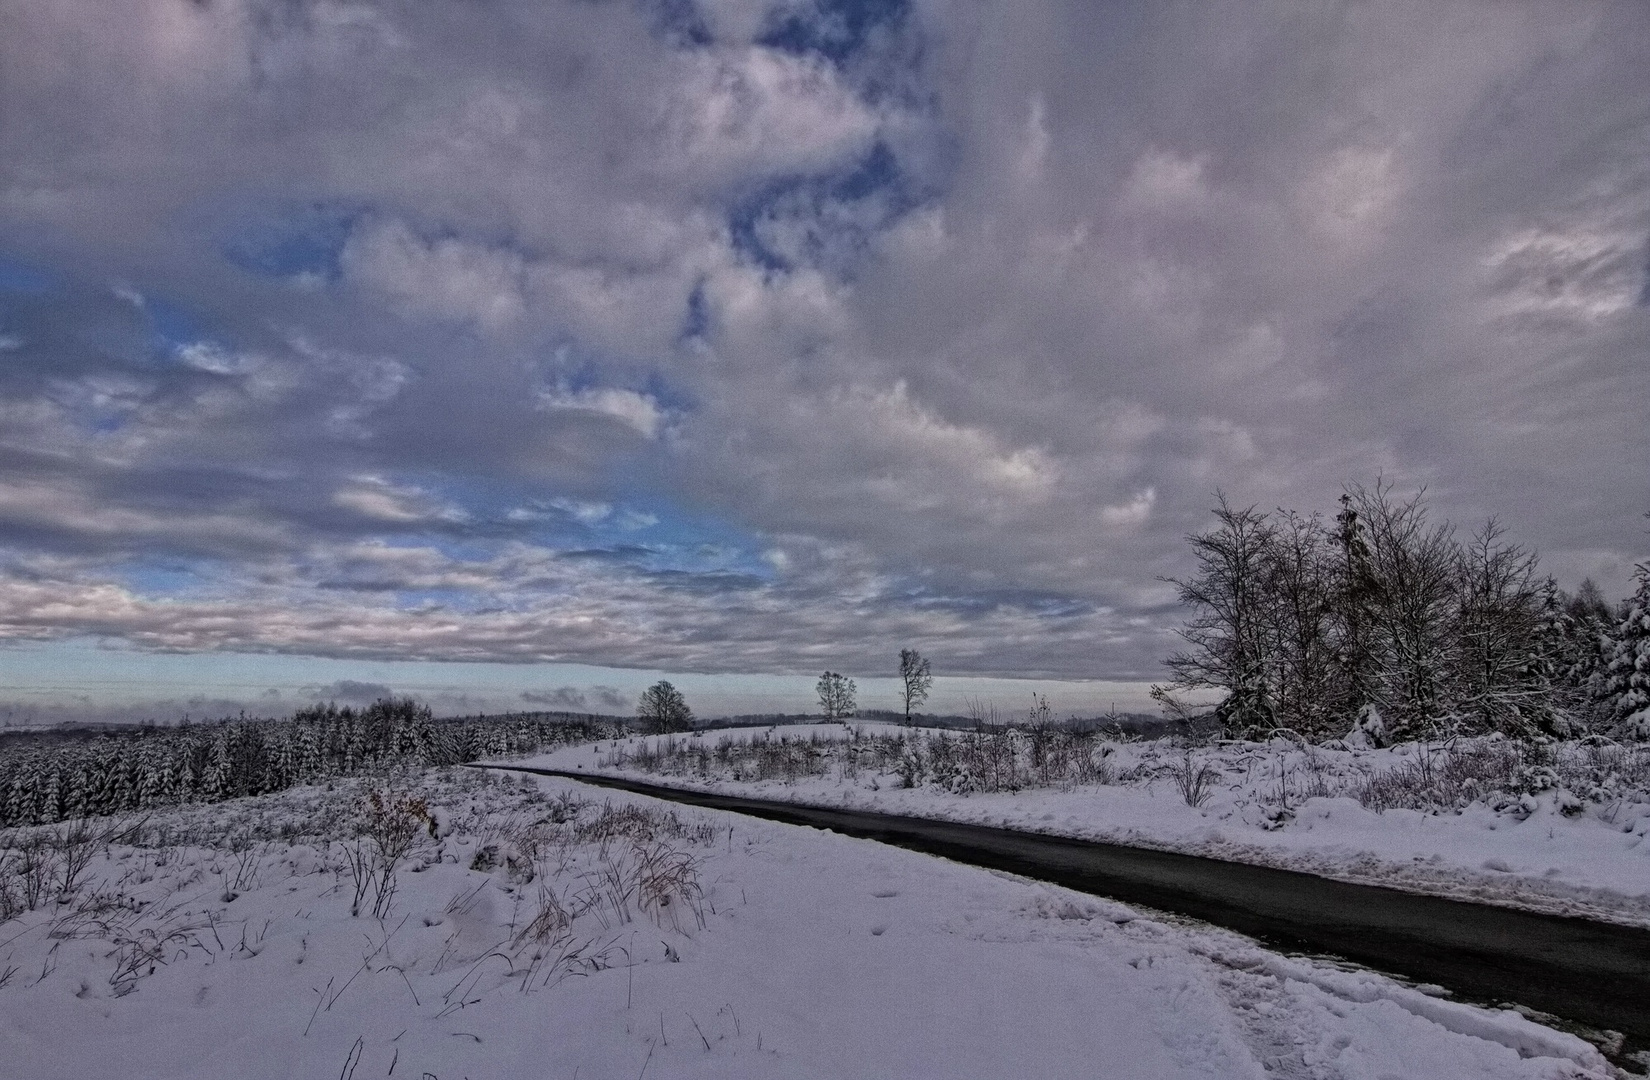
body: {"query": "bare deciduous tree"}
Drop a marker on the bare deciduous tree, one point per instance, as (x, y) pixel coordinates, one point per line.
(836, 696)
(662, 708)
(1414, 565)
(1229, 631)
(913, 673)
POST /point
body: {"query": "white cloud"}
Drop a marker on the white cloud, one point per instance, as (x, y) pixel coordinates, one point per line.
(444, 278)
(1163, 178)
(1131, 514)
(753, 110)
(634, 409)
(1581, 273)
(377, 498)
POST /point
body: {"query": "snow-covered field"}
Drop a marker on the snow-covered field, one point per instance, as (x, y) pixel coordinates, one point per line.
(543, 933)
(1572, 841)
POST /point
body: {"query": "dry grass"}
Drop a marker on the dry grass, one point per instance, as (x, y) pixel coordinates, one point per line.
(996, 757)
(1195, 780)
(1501, 772)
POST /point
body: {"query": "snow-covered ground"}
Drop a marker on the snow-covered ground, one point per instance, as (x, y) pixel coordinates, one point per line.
(218, 941)
(1583, 852)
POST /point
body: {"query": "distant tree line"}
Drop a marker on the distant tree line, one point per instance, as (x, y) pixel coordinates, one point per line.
(1389, 620)
(136, 769)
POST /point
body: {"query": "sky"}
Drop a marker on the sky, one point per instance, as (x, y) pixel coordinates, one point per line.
(516, 354)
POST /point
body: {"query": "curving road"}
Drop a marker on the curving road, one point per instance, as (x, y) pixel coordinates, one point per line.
(1594, 974)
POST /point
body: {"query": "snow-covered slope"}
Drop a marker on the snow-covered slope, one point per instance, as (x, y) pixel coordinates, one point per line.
(786, 952)
(1551, 851)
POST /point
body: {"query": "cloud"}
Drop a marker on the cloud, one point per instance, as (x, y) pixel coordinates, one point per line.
(629, 407)
(352, 692)
(574, 699)
(760, 337)
(382, 501)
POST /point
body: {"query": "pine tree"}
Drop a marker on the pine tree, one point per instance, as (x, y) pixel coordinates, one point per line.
(1627, 675)
(50, 799)
(217, 782)
(1583, 645)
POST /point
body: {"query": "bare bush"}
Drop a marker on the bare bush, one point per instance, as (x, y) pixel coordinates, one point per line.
(390, 825)
(993, 757)
(11, 892)
(1195, 780)
(1502, 773)
(75, 843)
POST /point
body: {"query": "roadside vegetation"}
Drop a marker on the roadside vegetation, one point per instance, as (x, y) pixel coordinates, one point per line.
(1387, 625)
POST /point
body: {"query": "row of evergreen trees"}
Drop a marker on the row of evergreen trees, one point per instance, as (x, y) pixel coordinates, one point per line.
(136, 769)
(1386, 618)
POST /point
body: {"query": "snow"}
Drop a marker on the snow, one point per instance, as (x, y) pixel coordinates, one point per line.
(789, 952)
(1548, 851)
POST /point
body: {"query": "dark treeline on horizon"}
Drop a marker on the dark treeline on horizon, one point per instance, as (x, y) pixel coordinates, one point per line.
(133, 768)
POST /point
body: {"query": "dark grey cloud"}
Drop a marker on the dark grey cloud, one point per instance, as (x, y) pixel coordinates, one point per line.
(750, 336)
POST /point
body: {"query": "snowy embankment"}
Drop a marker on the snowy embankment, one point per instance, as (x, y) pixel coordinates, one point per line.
(538, 933)
(1569, 837)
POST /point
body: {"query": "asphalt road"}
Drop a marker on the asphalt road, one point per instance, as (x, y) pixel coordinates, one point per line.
(1593, 974)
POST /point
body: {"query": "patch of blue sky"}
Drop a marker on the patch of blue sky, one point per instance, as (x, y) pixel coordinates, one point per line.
(458, 547)
(652, 537)
(825, 221)
(167, 580)
(295, 241)
(462, 601)
(678, 22)
(17, 276)
(837, 30)
(623, 526)
(570, 367)
(174, 326)
(696, 323)
(690, 543)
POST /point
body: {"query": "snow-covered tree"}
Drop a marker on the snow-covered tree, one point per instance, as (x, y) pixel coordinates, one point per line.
(1228, 636)
(1503, 638)
(1309, 693)
(1626, 684)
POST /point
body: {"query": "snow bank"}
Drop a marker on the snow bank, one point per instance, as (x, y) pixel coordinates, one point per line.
(1277, 804)
(802, 954)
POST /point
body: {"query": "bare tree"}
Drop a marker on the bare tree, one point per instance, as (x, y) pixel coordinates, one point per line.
(1229, 633)
(1307, 627)
(1413, 564)
(913, 673)
(662, 708)
(1502, 677)
(836, 696)
(1300, 587)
